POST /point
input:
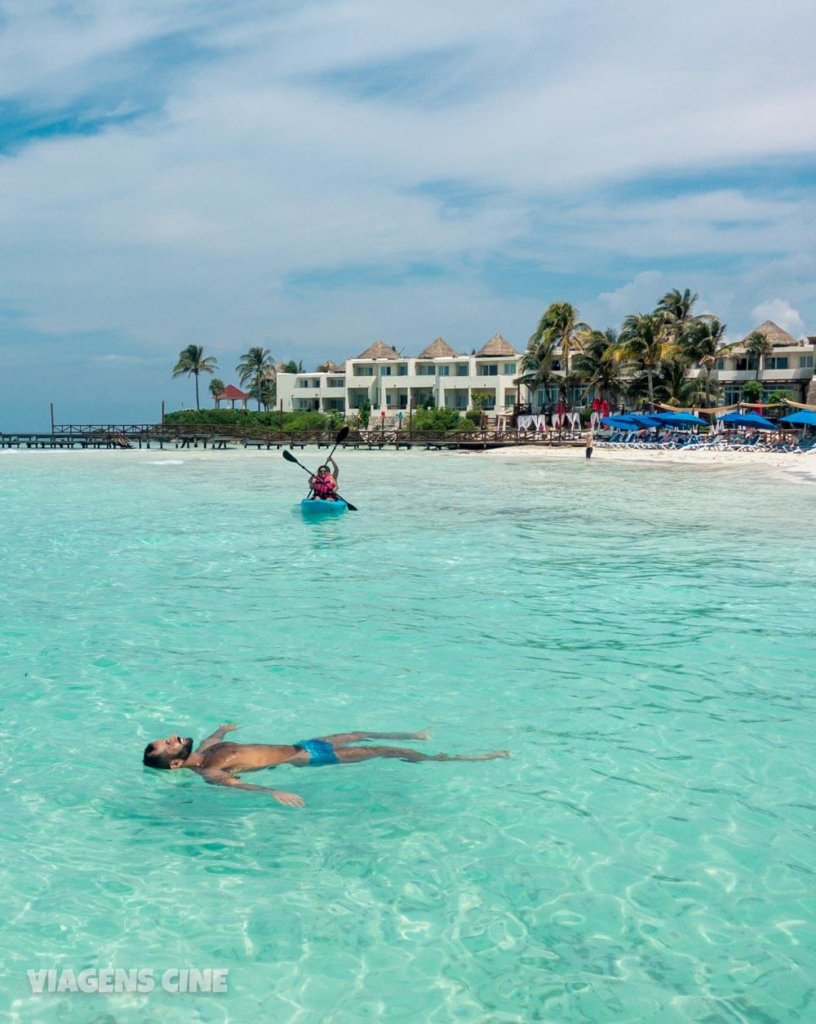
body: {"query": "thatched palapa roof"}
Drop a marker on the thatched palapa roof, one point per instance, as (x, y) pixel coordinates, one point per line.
(437, 349)
(379, 350)
(497, 346)
(774, 333)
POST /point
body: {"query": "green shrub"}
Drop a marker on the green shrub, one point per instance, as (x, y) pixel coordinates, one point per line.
(436, 421)
(289, 422)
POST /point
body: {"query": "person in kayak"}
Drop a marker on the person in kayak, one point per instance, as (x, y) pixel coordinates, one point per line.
(323, 483)
(221, 763)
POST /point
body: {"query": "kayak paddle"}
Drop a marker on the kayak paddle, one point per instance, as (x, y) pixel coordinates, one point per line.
(344, 433)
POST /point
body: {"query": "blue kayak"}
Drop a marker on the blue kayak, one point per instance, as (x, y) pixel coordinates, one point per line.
(319, 507)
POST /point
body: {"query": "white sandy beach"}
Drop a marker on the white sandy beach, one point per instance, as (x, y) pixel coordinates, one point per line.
(803, 465)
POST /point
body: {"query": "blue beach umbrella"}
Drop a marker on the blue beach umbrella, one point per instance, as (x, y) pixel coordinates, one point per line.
(679, 419)
(801, 418)
(645, 419)
(747, 419)
(620, 423)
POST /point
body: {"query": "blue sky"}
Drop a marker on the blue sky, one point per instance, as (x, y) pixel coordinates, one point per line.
(313, 176)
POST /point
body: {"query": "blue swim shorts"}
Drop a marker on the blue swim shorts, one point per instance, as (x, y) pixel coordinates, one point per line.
(320, 752)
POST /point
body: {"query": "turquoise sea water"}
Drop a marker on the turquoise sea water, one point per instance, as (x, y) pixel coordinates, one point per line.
(640, 637)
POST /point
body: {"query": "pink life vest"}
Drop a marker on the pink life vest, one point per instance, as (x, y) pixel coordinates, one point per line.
(323, 486)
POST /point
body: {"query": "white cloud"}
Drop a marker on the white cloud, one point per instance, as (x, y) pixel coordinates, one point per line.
(781, 312)
(639, 295)
(290, 140)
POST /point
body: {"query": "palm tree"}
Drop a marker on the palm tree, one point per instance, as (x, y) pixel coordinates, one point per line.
(672, 387)
(758, 345)
(599, 365)
(193, 362)
(292, 367)
(675, 307)
(536, 366)
(678, 305)
(255, 366)
(643, 339)
(216, 387)
(265, 392)
(702, 344)
(559, 331)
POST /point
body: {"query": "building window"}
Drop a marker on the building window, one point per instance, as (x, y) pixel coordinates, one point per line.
(385, 371)
(402, 369)
(363, 371)
(720, 364)
(776, 363)
(444, 371)
(425, 370)
(462, 369)
(488, 370)
(509, 368)
(806, 362)
(336, 382)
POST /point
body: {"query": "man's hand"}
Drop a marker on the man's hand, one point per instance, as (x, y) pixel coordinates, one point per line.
(288, 799)
(217, 777)
(215, 737)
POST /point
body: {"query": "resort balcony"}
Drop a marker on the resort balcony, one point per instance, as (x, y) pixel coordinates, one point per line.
(796, 373)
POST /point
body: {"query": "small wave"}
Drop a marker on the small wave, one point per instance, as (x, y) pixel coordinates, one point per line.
(166, 462)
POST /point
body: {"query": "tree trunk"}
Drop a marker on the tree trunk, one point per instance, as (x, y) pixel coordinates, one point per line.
(198, 407)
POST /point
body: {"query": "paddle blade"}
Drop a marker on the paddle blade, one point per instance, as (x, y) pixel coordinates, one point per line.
(344, 433)
(289, 456)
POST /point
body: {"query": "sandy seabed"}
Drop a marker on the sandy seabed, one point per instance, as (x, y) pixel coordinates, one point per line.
(784, 465)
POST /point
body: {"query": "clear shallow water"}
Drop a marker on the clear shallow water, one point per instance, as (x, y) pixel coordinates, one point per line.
(640, 637)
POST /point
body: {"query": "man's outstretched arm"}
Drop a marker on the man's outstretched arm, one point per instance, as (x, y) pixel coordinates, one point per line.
(218, 778)
(216, 737)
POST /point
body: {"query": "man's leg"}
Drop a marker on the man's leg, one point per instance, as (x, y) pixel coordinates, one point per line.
(351, 755)
(342, 739)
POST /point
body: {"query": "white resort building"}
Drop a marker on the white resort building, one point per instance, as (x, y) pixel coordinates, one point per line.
(395, 385)
(787, 366)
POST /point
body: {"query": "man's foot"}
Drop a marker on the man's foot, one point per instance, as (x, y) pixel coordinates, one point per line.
(424, 735)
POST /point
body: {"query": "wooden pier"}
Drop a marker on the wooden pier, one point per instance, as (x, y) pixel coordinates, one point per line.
(129, 435)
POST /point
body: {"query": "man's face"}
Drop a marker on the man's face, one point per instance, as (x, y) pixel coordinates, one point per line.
(174, 747)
